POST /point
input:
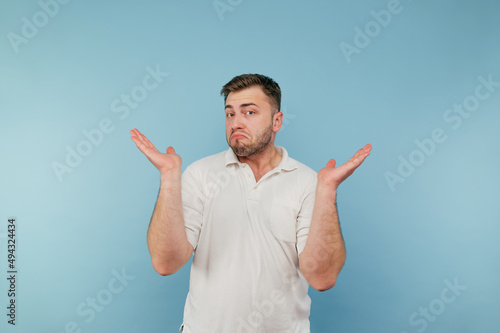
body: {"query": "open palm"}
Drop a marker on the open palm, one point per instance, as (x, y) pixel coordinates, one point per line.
(162, 161)
(332, 176)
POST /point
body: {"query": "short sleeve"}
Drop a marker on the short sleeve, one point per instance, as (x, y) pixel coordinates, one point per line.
(192, 204)
(305, 214)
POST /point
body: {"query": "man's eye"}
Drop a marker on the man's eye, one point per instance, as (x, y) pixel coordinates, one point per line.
(229, 115)
(250, 112)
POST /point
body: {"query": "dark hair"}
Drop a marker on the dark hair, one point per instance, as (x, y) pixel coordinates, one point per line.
(268, 85)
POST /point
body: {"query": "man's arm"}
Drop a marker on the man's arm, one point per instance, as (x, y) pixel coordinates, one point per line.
(324, 253)
(167, 239)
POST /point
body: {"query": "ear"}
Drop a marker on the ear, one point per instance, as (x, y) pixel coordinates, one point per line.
(277, 121)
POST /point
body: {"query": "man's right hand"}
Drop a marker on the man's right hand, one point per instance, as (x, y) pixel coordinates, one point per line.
(163, 162)
(167, 239)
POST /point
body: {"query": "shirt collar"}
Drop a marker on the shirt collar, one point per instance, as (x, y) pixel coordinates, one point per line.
(286, 163)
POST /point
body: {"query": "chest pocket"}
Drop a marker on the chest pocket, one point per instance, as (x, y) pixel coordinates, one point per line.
(283, 220)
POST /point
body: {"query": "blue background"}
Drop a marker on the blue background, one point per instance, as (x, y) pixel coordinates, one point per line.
(403, 240)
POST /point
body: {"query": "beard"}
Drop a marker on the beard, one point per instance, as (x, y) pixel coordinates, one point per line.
(262, 141)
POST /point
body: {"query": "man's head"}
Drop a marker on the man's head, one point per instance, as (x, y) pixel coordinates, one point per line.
(252, 107)
(268, 86)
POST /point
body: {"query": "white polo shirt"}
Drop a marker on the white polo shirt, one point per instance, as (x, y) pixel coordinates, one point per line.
(247, 237)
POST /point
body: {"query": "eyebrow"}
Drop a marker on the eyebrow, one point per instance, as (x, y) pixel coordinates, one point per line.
(242, 105)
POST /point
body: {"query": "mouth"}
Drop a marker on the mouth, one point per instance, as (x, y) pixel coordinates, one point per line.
(238, 136)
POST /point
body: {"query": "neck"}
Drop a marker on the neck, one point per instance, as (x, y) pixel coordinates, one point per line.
(263, 162)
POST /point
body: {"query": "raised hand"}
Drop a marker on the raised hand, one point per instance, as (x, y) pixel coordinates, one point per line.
(164, 162)
(332, 176)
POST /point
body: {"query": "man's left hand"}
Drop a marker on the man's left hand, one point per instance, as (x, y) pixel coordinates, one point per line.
(332, 176)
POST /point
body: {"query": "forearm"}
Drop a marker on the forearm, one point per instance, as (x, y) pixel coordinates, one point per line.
(324, 253)
(167, 240)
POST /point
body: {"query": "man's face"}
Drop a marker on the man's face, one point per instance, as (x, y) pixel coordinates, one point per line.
(250, 128)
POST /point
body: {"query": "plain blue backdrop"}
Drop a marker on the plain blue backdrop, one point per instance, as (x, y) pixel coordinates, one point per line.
(420, 217)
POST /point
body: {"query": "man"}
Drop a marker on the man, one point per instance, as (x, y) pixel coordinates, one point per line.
(262, 226)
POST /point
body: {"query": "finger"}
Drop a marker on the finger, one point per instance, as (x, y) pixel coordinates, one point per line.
(144, 148)
(365, 150)
(135, 139)
(170, 150)
(135, 135)
(135, 132)
(144, 140)
(331, 163)
(359, 157)
(356, 160)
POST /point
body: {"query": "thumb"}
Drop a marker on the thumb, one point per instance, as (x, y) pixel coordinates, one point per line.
(331, 163)
(170, 150)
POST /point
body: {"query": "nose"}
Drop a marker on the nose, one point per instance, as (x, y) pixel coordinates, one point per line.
(236, 121)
